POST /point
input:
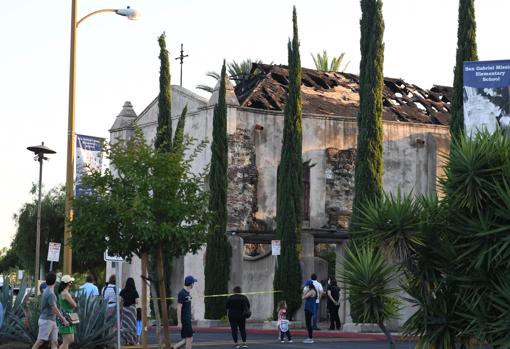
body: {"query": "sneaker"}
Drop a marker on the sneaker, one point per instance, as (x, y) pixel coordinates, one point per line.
(237, 346)
(291, 341)
(245, 346)
(308, 341)
(282, 341)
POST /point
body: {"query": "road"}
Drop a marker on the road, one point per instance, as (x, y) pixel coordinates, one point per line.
(262, 341)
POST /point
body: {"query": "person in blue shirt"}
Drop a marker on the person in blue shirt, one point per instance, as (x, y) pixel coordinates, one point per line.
(184, 313)
(310, 297)
(88, 288)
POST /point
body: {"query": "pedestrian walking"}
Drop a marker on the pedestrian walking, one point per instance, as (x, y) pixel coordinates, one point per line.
(310, 298)
(283, 323)
(88, 288)
(129, 299)
(319, 290)
(238, 308)
(47, 323)
(67, 305)
(184, 313)
(109, 293)
(333, 294)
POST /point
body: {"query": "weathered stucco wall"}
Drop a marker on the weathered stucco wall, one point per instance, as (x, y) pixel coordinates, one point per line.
(411, 157)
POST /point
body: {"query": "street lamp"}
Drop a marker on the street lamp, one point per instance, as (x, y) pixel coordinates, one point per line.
(39, 151)
(131, 14)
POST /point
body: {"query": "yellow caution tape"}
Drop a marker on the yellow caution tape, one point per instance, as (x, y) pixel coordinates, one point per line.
(229, 294)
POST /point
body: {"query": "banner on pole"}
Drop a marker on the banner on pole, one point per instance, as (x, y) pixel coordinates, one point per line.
(88, 159)
(486, 96)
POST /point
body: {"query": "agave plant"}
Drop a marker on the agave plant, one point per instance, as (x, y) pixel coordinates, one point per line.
(96, 327)
(367, 277)
(14, 314)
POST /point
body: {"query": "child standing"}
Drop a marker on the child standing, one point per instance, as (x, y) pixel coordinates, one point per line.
(283, 323)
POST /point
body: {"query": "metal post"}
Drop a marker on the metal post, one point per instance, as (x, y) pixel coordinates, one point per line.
(38, 237)
(70, 145)
(117, 282)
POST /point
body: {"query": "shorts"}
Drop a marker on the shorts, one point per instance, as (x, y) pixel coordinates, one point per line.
(186, 330)
(48, 330)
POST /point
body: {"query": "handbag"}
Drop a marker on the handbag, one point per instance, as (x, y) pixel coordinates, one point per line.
(72, 318)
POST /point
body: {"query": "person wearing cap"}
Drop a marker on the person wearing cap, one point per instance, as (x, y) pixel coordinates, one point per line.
(48, 331)
(184, 313)
(309, 296)
(67, 305)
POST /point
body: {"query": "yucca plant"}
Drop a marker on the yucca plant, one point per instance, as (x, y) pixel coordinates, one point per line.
(96, 327)
(392, 223)
(367, 277)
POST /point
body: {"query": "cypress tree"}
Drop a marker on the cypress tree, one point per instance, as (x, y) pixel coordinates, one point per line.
(164, 131)
(369, 159)
(466, 51)
(289, 214)
(163, 143)
(218, 253)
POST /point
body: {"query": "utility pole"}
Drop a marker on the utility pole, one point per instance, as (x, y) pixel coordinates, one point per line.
(181, 57)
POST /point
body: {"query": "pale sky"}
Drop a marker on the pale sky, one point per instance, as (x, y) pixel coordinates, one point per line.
(117, 60)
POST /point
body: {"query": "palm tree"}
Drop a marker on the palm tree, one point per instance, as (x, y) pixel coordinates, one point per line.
(239, 72)
(322, 63)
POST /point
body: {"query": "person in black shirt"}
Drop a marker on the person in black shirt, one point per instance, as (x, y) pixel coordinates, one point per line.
(129, 299)
(184, 313)
(333, 293)
(238, 308)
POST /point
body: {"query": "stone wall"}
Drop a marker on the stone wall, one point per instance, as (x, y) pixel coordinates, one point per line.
(242, 180)
(339, 175)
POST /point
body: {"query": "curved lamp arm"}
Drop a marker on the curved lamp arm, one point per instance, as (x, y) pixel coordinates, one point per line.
(128, 12)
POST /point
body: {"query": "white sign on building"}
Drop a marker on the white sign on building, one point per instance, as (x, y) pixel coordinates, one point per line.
(276, 247)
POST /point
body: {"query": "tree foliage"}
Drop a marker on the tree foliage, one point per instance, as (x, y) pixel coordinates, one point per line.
(289, 213)
(122, 213)
(322, 62)
(217, 263)
(164, 133)
(466, 51)
(369, 158)
(52, 230)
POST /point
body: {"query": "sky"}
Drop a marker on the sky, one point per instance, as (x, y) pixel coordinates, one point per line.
(117, 61)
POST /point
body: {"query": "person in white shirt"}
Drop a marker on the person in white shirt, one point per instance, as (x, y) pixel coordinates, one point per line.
(109, 293)
(320, 290)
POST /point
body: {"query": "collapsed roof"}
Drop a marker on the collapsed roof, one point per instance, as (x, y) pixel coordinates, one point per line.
(333, 93)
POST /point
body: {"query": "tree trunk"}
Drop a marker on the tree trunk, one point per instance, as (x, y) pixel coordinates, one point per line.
(391, 341)
(144, 300)
(162, 297)
(154, 296)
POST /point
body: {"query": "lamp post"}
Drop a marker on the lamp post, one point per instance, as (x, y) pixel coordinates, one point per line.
(132, 15)
(39, 151)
